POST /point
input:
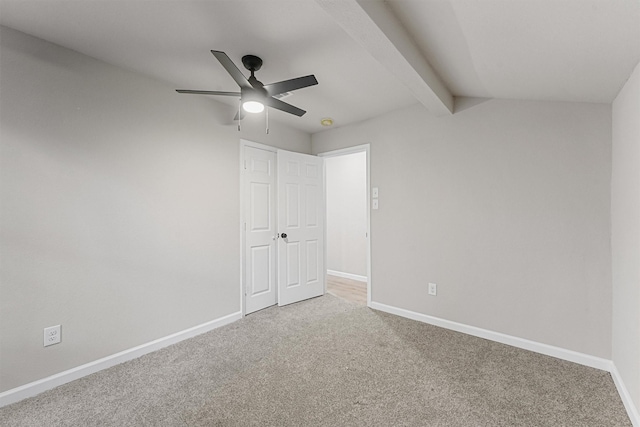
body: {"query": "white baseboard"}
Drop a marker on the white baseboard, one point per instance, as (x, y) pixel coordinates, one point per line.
(629, 405)
(549, 350)
(16, 394)
(348, 275)
(28, 390)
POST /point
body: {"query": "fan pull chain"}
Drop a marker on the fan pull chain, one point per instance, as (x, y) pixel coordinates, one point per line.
(239, 111)
(266, 109)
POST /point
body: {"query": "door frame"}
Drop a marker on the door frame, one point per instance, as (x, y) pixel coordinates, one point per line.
(243, 281)
(366, 148)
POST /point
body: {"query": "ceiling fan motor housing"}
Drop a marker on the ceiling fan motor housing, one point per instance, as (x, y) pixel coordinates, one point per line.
(255, 93)
(251, 63)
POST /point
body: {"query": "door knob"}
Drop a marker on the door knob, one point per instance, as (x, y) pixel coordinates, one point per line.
(283, 235)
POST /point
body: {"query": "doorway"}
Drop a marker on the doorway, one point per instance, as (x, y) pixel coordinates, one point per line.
(282, 227)
(347, 223)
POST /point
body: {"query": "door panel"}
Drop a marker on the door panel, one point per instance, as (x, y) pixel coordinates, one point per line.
(312, 261)
(260, 206)
(260, 228)
(312, 194)
(260, 268)
(300, 218)
(292, 200)
(293, 263)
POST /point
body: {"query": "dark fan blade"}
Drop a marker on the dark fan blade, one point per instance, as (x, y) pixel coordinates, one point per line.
(289, 85)
(231, 68)
(283, 106)
(208, 92)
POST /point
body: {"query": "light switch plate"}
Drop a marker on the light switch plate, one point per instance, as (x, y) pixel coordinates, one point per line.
(375, 204)
(374, 192)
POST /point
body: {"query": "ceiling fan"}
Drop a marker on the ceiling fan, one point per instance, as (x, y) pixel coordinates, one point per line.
(254, 95)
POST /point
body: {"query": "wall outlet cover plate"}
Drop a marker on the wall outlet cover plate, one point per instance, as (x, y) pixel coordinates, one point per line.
(433, 289)
(52, 335)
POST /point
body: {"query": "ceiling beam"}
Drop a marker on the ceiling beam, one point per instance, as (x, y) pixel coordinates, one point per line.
(376, 29)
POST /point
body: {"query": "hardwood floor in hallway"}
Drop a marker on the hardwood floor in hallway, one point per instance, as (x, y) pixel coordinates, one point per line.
(347, 289)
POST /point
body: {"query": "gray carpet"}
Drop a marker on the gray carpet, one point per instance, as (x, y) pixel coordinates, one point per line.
(326, 362)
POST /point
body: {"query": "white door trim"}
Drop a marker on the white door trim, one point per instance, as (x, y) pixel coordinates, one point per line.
(246, 143)
(366, 148)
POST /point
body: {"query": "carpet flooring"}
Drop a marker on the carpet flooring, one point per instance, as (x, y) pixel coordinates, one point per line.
(328, 362)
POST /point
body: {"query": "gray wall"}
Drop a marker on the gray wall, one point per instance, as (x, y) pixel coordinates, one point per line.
(119, 208)
(625, 234)
(346, 178)
(505, 205)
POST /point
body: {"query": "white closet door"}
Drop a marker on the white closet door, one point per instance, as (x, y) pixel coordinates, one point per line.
(301, 213)
(260, 229)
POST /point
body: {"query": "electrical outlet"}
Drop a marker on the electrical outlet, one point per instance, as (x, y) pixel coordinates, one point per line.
(52, 335)
(433, 289)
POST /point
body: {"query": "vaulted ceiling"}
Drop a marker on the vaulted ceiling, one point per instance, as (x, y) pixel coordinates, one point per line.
(369, 56)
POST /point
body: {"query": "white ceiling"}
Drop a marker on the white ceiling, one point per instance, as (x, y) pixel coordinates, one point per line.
(565, 50)
(560, 50)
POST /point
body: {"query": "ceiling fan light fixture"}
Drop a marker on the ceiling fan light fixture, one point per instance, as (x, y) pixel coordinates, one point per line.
(253, 106)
